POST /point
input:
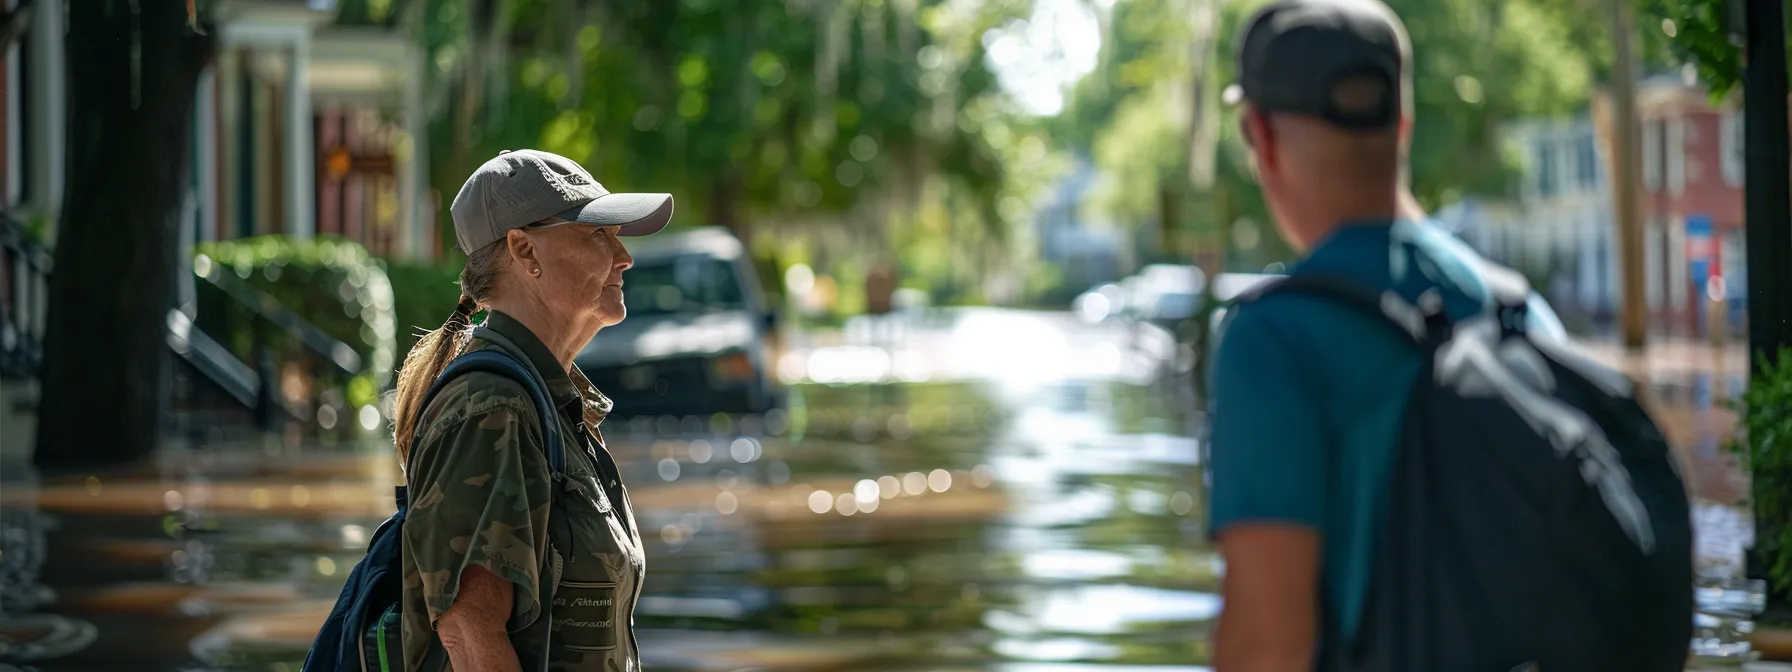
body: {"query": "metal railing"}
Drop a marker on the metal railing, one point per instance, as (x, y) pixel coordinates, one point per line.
(24, 294)
(281, 349)
(215, 383)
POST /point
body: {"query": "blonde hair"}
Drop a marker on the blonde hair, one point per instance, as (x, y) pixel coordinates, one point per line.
(432, 353)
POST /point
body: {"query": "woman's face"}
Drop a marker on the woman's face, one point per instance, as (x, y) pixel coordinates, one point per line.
(581, 270)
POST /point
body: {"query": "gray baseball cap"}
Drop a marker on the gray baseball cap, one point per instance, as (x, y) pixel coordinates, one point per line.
(520, 187)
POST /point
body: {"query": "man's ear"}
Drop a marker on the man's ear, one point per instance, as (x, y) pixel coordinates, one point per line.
(1262, 137)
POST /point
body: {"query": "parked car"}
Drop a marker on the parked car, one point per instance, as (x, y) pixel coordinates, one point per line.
(1228, 286)
(1166, 295)
(696, 340)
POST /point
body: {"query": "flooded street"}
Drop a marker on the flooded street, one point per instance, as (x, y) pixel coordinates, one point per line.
(1022, 506)
(999, 515)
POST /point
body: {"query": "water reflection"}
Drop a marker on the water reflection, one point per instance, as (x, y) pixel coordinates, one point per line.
(1028, 524)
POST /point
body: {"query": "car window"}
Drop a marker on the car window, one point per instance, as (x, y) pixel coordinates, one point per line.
(1176, 305)
(691, 283)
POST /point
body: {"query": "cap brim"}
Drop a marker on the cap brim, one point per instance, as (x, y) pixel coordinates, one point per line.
(637, 214)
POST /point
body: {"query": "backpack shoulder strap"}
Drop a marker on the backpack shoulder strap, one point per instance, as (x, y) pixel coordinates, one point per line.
(500, 362)
(1420, 323)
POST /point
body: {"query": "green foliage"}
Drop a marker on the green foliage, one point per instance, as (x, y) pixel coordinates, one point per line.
(1764, 443)
(330, 282)
(740, 106)
(1477, 64)
(423, 295)
(760, 115)
(1700, 36)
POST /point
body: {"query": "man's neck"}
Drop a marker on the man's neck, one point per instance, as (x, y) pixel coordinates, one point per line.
(1409, 206)
(563, 337)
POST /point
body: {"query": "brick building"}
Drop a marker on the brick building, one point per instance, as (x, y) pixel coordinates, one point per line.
(1691, 182)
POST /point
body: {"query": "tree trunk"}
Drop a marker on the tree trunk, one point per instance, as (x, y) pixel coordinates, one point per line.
(481, 19)
(724, 204)
(1168, 220)
(132, 75)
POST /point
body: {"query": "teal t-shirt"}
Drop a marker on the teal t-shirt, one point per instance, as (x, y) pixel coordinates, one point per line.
(1309, 395)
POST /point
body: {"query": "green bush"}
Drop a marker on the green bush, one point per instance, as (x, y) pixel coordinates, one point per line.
(330, 282)
(423, 296)
(1764, 442)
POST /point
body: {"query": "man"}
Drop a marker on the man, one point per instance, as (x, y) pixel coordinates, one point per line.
(1309, 394)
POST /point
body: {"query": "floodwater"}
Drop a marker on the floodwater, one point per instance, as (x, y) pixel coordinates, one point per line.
(981, 514)
(965, 501)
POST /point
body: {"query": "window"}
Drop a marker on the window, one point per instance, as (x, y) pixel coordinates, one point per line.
(1677, 271)
(1734, 259)
(1731, 142)
(1602, 273)
(1653, 251)
(1587, 161)
(1651, 152)
(1545, 156)
(688, 283)
(1674, 151)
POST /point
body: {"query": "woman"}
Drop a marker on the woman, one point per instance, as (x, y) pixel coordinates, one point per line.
(492, 542)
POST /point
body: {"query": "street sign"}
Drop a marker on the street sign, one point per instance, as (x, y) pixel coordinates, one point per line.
(1701, 248)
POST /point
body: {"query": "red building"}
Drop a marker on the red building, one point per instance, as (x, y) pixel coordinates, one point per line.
(1691, 183)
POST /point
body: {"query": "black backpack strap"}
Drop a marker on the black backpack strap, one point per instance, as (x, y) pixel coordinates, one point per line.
(502, 363)
(1424, 323)
(1510, 291)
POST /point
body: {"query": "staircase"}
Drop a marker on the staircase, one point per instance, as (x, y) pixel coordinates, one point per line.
(129, 557)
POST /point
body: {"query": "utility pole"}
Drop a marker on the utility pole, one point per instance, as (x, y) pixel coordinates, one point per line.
(1624, 175)
(1766, 211)
(1765, 183)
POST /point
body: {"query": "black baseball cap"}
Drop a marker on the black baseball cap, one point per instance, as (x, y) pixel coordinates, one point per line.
(1345, 61)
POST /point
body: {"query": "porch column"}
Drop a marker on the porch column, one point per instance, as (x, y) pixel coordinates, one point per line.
(414, 173)
(301, 152)
(47, 119)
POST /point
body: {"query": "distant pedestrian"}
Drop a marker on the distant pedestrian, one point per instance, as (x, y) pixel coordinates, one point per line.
(1359, 477)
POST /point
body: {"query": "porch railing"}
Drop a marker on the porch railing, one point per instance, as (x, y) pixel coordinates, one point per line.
(24, 294)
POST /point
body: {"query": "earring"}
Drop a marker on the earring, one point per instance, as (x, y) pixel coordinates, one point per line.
(535, 271)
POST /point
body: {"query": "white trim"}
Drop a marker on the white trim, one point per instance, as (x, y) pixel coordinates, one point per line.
(1674, 146)
(297, 148)
(1652, 264)
(46, 152)
(14, 130)
(300, 150)
(1731, 140)
(264, 34)
(414, 175)
(1677, 271)
(1651, 151)
(205, 165)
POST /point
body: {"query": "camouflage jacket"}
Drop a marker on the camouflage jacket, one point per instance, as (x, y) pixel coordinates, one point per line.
(482, 494)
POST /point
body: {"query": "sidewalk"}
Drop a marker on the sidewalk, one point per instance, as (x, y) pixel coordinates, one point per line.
(1684, 382)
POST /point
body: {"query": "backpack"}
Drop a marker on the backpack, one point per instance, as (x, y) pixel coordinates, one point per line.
(1536, 518)
(363, 629)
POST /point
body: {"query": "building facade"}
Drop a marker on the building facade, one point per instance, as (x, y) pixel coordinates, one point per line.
(1559, 227)
(300, 127)
(1691, 201)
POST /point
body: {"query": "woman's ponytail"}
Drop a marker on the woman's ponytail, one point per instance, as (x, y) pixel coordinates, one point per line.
(421, 366)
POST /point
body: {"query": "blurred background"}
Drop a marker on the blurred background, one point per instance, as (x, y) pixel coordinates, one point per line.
(910, 384)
